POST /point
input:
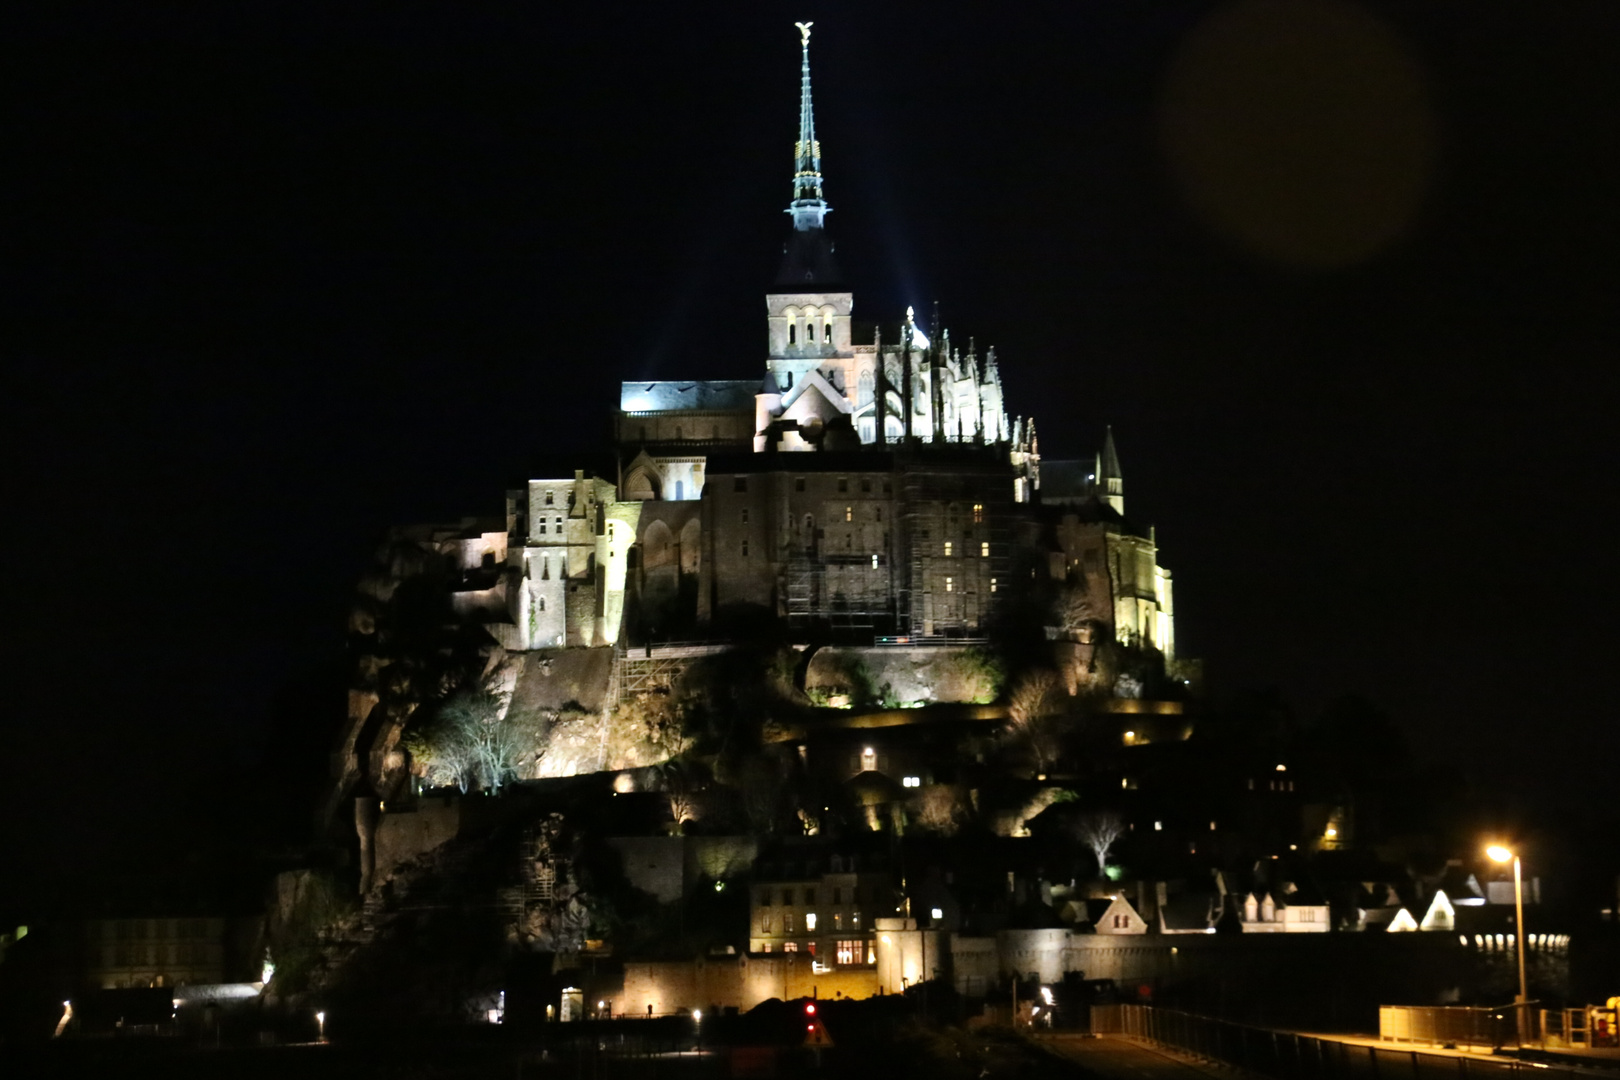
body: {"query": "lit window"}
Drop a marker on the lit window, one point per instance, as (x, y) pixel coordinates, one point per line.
(838, 920)
(947, 549)
(911, 781)
(950, 582)
(1158, 826)
(874, 562)
(936, 913)
(849, 952)
(992, 584)
(787, 923)
(855, 920)
(790, 946)
(849, 513)
(984, 549)
(809, 920)
(765, 947)
(978, 512)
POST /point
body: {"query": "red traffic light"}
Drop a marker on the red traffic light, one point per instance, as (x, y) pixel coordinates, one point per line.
(809, 1008)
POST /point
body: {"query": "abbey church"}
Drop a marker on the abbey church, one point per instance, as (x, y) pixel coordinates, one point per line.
(869, 484)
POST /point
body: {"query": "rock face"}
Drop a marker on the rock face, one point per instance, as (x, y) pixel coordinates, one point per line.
(900, 675)
(417, 639)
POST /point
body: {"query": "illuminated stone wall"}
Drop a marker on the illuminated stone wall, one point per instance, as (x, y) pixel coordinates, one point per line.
(738, 981)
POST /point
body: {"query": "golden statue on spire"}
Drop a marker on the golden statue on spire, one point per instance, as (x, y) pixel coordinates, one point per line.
(804, 32)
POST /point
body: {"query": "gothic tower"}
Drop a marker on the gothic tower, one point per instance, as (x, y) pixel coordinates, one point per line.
(808, 309)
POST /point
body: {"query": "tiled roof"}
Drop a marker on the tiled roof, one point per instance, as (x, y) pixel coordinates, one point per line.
(713, 395)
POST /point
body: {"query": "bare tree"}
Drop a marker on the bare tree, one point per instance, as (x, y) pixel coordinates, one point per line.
(471, 743)
(1098, 831)
(680, 784)
(1033, 710)
(1075, 609)
(940, 808)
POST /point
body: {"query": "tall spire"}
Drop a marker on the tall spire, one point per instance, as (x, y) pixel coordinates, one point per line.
(807, 260)
(808, 207)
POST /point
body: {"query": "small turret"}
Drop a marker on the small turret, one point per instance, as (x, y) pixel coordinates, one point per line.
(1110, 483)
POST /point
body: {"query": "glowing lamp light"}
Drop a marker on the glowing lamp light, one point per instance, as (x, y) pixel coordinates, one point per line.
(809, 1008)
(936, 913)
(1282, 768)
(697, 1014)
(1499, 853)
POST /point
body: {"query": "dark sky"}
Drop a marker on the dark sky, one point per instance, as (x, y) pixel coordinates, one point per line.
(276, 276)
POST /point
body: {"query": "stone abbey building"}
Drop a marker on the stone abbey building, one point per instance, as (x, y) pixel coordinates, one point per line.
(859, 487)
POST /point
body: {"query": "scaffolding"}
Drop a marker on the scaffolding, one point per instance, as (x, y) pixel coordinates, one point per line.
(654, 669)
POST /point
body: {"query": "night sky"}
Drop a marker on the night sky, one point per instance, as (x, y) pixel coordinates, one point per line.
(1343, 280)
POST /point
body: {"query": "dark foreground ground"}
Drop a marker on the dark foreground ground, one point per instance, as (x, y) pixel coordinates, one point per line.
(908, 1050)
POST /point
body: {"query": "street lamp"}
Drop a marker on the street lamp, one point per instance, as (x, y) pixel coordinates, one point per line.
(1502, 855)
(320, 1026)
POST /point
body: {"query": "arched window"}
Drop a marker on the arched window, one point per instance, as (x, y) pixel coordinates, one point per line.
(542, 603)
(826, 331)
(809, 523)
(865, 385)
(793, 332)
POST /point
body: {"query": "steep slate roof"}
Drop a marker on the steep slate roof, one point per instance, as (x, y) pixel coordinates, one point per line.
(710, 395)
(1066, 479)
(1191, 911)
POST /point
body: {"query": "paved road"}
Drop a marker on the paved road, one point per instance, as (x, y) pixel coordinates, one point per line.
(1112, 1058)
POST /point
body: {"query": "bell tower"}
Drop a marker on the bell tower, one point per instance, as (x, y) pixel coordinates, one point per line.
(808, 309)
